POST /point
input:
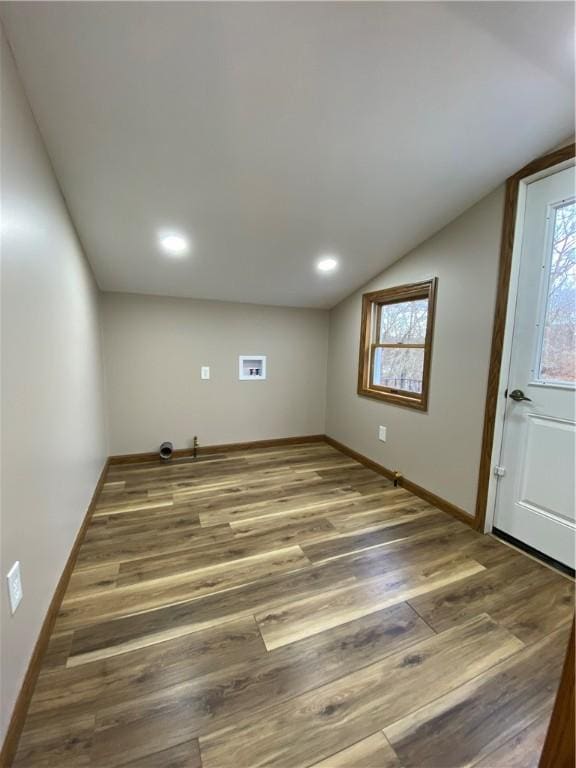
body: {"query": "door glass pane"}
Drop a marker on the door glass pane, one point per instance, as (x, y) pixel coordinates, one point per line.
(404, 322)
(557, 356)
(399, 368)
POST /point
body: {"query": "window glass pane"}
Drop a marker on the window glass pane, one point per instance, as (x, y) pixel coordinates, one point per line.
(558, 358)
(399, 368)
(404, 322)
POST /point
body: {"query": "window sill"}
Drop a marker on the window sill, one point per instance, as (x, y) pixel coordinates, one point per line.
(395, 399)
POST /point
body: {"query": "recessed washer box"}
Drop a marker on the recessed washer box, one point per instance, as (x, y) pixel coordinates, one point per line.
(252, 367)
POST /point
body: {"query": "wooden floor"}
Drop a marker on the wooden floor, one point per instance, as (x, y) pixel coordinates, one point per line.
(289, 607)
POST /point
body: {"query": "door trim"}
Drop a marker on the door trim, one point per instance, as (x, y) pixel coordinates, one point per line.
(491, 439)
(558, 750)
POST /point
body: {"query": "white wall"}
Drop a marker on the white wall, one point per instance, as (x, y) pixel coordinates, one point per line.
(440, 449)
(53, 443)
(154, 348)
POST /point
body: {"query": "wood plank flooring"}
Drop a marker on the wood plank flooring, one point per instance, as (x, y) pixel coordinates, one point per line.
(288, 607)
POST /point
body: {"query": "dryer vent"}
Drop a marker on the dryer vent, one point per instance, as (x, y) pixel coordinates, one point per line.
(166, 450)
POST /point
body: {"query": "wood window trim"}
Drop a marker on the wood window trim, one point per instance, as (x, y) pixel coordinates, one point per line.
(506, 248)
(409, 292)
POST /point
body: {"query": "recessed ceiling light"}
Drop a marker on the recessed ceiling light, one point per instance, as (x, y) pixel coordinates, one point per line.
(174, 244)
(327, 263)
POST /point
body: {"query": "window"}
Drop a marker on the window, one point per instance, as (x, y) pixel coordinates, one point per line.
(396, 344)
(557, 362)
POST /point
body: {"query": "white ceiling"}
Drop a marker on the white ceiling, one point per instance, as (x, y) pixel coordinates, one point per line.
(271, 132)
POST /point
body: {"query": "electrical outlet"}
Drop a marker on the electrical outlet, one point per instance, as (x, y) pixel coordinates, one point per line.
(382, 434)
(14, 586)
(205, 372)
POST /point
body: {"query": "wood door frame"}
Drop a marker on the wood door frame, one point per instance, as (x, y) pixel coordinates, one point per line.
(540, 165)
(558, 750)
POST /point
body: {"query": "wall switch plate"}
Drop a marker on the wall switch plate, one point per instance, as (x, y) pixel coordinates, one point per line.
(205, 372)
(382, 434)
(14, 586)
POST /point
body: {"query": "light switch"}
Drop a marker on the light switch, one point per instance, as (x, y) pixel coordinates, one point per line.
(205, 372)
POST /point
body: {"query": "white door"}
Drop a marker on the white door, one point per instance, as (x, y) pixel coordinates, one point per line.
(535, 496)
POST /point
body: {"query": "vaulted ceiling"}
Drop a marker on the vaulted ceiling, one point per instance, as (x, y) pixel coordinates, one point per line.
(270, 133)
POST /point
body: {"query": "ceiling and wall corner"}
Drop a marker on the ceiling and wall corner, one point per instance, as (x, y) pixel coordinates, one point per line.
(270, 133)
